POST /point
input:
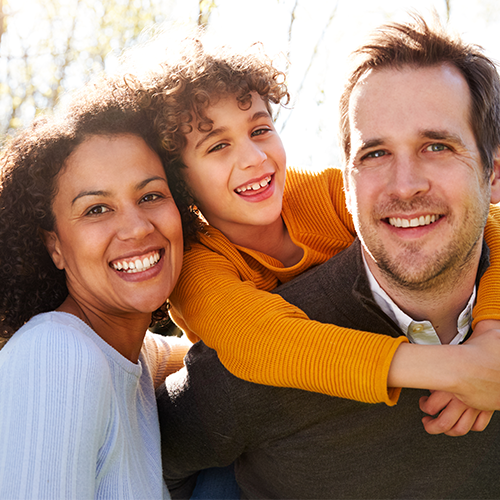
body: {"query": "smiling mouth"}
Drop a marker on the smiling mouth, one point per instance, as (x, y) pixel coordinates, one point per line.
(255, 186)
(137, 265)
(424, 220)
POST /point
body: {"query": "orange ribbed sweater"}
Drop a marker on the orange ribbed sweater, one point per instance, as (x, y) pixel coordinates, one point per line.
(222, 297)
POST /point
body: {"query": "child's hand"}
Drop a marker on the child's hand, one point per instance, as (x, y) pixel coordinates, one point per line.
(455, 418)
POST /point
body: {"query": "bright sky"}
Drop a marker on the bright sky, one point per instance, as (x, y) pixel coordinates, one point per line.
(309, 129)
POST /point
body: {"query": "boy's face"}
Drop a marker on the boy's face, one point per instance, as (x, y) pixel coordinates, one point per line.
(236, 171)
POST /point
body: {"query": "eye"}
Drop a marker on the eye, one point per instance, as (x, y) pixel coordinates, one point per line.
(218, 147)
(436, 147)
(260, 131)
(97, 210)
(150, 197)
(375, 154)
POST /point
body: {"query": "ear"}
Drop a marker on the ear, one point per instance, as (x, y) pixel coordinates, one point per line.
(495, 179)
(347, 191)
(53, 246)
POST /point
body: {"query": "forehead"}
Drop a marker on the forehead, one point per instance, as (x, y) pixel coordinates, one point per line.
(407, 100)
(224, 105)
(114, 160)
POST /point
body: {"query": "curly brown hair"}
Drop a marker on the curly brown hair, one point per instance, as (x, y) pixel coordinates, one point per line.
(31, 283)
(182, 91)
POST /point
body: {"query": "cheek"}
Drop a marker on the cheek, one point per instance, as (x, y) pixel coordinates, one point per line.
(169, 223)
(197, 182)
(279, 154)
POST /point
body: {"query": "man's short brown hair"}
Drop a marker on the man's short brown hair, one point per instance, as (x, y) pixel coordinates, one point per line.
(417, 44)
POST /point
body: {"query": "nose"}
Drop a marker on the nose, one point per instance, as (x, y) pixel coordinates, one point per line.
(408, 178)
(251, 154)
(134, 224)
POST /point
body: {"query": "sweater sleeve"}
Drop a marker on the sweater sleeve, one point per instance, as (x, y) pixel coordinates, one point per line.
(54, 402)
(164, 356)
(261, 338)
(488, 299)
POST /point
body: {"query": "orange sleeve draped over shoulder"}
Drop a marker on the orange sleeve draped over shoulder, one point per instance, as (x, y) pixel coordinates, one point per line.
(223, 298)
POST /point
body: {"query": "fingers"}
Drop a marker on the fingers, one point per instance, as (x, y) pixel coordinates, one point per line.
(456, 419)
(482, 421)
(434, 403)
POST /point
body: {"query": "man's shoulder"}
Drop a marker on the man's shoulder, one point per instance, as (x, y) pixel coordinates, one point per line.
(338, 292)
(329, 283)
(339, 267)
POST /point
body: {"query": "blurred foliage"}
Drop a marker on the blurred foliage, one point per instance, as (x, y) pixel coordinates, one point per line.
(48, 47)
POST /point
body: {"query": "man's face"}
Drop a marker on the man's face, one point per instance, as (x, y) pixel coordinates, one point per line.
(414, 181)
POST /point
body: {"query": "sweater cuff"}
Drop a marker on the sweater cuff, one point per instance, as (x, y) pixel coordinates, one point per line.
(389, 395)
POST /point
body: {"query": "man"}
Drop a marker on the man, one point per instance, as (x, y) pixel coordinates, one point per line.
(421, 170)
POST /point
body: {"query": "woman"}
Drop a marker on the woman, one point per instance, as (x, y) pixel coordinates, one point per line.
(90, 246)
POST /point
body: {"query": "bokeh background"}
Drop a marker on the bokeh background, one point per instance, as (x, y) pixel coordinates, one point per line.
(50, 47)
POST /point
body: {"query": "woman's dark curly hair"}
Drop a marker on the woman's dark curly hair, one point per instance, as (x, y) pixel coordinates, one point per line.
(29, 168)
(182, 90)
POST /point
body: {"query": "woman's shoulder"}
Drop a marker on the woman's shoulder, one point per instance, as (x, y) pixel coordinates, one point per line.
(58, 338)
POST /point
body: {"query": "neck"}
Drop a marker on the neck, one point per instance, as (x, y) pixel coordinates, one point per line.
(125, 333)
(440, 301)
(273, 240)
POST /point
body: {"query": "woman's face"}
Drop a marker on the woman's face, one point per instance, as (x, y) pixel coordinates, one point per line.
(118, 233)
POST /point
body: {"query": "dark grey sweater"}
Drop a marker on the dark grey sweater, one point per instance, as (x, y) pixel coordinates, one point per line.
(293, 444)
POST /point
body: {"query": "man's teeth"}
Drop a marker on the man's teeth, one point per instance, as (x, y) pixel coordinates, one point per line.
(416, 222)
(256, 185)
(137, 265)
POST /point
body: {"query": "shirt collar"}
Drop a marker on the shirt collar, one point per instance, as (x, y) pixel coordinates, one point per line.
(418, 332)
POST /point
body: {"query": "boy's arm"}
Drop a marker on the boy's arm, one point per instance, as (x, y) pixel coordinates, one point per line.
(488, 296)
(261, 338)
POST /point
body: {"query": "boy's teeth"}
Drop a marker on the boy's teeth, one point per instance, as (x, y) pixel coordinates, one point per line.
(256, 185)
(137, 265)
(416, 222)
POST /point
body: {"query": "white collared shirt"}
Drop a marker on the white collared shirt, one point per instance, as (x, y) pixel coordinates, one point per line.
(418, 332)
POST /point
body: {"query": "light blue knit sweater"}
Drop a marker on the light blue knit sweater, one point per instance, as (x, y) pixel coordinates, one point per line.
(77, 419)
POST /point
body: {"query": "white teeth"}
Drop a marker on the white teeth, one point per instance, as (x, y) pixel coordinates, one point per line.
(255, 186)
(416, 222)
(137, 265)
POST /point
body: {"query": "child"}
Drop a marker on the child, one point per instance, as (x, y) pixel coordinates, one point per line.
(215, 113)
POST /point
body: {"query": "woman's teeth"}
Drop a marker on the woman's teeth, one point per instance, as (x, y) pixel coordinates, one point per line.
(136, 265)
(255, 186)
(416, 222)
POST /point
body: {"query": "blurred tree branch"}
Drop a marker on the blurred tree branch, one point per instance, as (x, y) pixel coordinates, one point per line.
(53, 46)
(205, 9)
(2, 19)
(312, 58)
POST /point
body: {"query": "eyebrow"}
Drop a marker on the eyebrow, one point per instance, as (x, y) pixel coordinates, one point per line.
(442, 135)
(220, 130)
(105, 194)
(436, 135)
